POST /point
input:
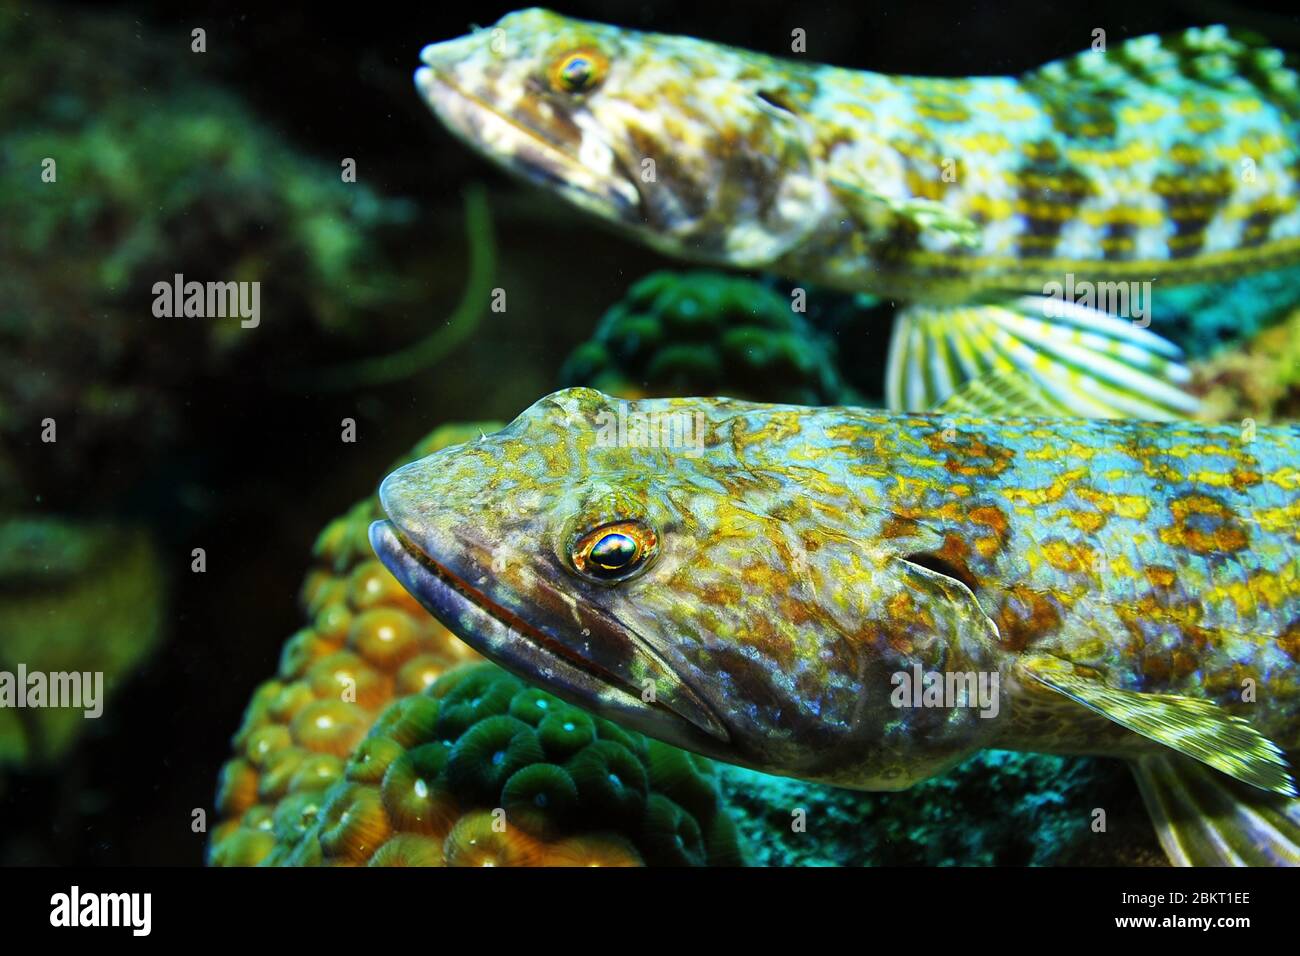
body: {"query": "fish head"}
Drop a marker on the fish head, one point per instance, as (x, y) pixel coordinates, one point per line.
(649, 562)
(700, 150)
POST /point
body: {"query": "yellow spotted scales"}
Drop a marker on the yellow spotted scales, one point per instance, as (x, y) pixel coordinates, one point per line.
(754, 582)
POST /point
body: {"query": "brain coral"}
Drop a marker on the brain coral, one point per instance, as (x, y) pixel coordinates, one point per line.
(481, 770)
(381, 742)
(707, 333)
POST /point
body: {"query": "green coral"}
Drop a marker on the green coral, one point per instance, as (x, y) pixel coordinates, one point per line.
(707, 333)
(566, 731)
(75, 596)
(153, 174)
(123, 168)
(488, 754)
(477, 740)
(542, 797)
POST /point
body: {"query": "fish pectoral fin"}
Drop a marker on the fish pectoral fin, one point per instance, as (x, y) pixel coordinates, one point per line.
(998, 394)
(1196, 728)
(1203, 818)
(931, 216)
(882, 215)
(1071, 359)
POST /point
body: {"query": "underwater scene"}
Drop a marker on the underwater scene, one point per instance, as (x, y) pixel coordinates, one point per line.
(649, 434)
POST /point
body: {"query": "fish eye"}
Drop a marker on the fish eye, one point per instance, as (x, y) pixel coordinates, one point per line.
(614, 551)
(578, 71)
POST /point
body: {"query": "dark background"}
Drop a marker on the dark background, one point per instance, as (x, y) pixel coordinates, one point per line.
(337, 82)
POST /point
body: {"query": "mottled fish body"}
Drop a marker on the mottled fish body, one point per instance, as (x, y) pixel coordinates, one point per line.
(1161, 160)
(754, 581)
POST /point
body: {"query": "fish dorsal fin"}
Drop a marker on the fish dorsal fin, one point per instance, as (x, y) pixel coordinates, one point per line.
(1197, 728)
(1176, 64)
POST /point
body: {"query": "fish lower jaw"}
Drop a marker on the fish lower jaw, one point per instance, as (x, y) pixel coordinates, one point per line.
(592, 178)
(529, 654)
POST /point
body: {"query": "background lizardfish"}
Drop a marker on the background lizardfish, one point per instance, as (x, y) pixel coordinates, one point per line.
(757, 589)
(982, 203)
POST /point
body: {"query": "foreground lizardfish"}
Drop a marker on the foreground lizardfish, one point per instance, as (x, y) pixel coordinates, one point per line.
(865, 599)
(1009, 214)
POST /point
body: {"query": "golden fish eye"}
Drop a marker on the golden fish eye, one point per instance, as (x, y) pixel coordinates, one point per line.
(578, 71)
(614, 551)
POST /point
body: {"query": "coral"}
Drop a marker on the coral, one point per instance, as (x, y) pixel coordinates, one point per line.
(541, 796)
(448, 777)
(369, 643)
(1258, 378)
(381, 742)
(75, 596)
(474, 789)
(997, 808)
(707, 333)
(598, 850)
(611, 780)
(158, 172)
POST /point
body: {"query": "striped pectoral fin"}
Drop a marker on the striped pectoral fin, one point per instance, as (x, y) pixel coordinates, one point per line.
(1200, 729)
(1203, 818)
(1072, 360)
(999, 395)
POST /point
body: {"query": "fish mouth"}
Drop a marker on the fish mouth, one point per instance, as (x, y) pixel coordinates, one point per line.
(598, 182)
(682, 717)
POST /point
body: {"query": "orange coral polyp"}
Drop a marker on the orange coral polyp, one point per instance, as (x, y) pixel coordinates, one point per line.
(483, 838)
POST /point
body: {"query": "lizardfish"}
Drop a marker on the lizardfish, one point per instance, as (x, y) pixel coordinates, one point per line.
(1010, 214)
(770, 585)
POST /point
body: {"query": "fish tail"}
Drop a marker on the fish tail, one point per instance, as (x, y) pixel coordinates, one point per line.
(1204, 818)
